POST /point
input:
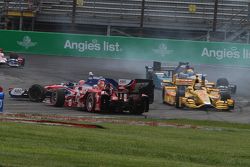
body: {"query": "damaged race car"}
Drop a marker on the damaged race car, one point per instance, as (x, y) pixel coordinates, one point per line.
(95, 95)
(195, 93)
(13, 60)
(130, 95)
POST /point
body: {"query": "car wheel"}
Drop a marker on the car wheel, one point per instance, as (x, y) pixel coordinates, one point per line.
(225, 96)
(138, 109)
(23, 62)
(36, 93)
(233, 91)
(163, 95)
(90, 102)
(58, 98)
(105, 103)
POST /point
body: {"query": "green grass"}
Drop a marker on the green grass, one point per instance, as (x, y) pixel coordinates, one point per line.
(121, 145)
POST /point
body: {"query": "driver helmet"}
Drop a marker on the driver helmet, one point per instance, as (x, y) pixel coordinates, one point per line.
(197, 86)
(190, 72)
(81, 82)
(91, 74)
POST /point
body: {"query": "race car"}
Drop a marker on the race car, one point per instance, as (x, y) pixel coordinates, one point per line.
(13, 60)
(130, 95)
(195, 93)
(161, 74)
(96, 94)
(37, 93)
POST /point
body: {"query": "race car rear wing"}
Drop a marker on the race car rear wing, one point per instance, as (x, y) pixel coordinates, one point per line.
(169, 70)
(157, 66)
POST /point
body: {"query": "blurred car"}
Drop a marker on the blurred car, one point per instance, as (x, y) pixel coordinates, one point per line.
(13, 60)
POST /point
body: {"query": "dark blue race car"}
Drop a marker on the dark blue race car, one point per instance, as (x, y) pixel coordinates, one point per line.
(159, 73)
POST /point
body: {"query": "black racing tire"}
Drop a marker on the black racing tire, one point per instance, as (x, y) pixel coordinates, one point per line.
(180, 92)
(23, 62)
(105, 103)
(138, 109)
(233, 91)
(222, 82)
(231, 108)
(149, 75)
(90, 102)
(225, 96)
(57, 98)
(163, 95)
(36, 93)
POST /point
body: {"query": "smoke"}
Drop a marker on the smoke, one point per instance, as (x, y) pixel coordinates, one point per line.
(235, 75)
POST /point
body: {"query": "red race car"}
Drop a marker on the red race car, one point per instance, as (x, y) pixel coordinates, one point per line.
(129, 95)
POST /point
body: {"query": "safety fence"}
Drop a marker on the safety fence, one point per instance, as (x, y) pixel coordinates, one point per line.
(62, 44)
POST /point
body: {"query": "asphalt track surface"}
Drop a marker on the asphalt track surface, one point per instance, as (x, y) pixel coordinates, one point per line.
(56, 69)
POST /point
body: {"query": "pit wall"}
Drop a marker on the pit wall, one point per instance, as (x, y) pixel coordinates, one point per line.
(199, 52)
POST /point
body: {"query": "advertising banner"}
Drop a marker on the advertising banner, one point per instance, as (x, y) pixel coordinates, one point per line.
(63, 44)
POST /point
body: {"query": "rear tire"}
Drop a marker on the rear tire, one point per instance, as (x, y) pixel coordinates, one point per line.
(36, 93)
(233, 91)
(105, 103)
(90, 102)
(58, 98)
(163, 95)
(138, 109)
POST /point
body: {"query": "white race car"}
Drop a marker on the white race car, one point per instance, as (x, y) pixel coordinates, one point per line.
(14, 60)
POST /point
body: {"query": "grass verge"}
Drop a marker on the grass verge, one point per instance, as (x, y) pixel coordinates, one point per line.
(222, 144)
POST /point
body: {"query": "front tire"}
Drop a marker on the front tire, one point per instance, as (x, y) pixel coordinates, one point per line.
(36, 93)
(90, 102)
(58, 98)
(225, 96)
